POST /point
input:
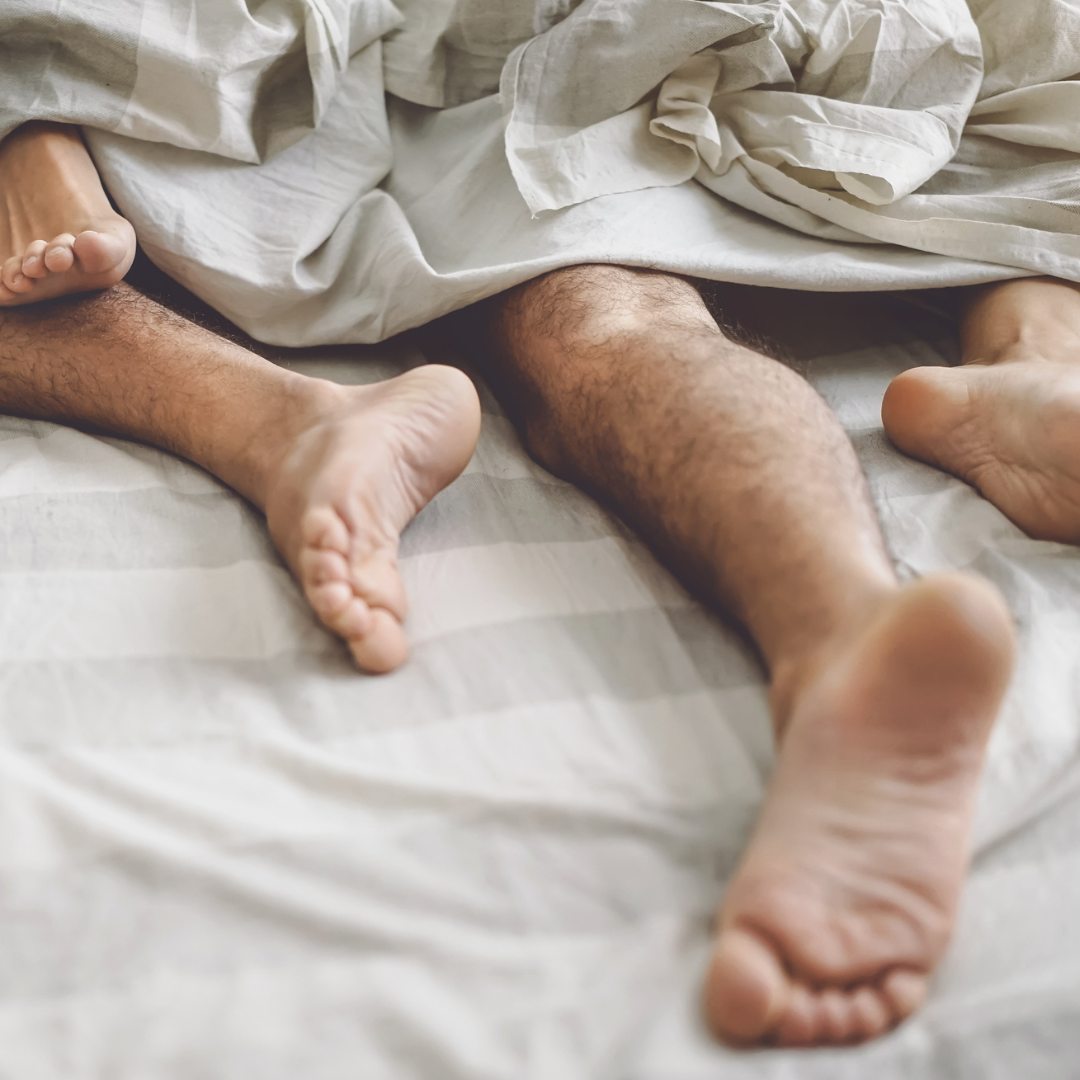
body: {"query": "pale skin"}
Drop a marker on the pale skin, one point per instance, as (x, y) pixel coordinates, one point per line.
(730, 465)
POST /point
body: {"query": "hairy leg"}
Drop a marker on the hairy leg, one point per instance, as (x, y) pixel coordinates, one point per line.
(883, 699)
(58, 232)
(339, 471)
(1008, 419)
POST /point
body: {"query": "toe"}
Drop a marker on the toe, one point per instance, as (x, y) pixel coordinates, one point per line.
(33, 262)
(108, 253)
(384, 647)
(798, 1023)
(340, 608)
(374, 634)
(905, 990)
(320, 566)
(747, 988)
(836, 1017)
(378, 581)
(872, 1016)
(59, 256)
(13, 278)
(323, 529)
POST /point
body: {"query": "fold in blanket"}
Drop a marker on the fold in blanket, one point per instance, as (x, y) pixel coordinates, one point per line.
(243, 80)
(853, 144)
(865, 97)
(851, 120)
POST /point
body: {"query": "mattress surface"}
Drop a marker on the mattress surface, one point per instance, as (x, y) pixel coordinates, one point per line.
(224, 853)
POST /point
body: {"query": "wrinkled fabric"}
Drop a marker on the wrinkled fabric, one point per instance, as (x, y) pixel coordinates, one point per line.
(815, 144)
(865, 96)
(946, 126)
(242, 79)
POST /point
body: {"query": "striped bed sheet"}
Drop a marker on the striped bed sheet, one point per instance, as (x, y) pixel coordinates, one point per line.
(224, 853)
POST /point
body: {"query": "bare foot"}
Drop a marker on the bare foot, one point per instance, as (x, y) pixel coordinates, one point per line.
(845, 898)
(58, 232)
(1011, 429)
(346, 486)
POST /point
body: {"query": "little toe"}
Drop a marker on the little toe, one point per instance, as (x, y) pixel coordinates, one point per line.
(59, 254)
(13, 278)
(33, 262)
(747, 989)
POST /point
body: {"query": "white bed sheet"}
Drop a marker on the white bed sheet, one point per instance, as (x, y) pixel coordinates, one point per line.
(224, 854)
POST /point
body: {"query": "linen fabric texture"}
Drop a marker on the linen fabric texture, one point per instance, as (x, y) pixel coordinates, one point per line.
(851, 144)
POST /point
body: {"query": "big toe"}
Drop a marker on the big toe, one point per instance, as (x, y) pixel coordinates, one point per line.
(924, 409)
(747, 990)
(384, 647)
(106, 251)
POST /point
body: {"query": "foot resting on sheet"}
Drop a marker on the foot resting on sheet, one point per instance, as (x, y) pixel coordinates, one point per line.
(58, 232)
(1008, 420)
(351, 480)
(845, 898)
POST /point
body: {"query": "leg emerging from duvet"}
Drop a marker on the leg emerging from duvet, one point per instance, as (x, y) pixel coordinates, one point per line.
(339, 471)
(1008, 419)
(883, 697)
(58, 232)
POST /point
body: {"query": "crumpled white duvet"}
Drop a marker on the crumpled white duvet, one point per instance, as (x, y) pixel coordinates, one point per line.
(817, 144)
(942, 125)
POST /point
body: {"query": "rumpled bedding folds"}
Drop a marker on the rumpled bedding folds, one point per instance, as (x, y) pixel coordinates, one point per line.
(936, 124)
(236, 79)
(853, 144)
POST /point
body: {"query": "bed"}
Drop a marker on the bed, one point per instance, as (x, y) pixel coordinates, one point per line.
(226, 854)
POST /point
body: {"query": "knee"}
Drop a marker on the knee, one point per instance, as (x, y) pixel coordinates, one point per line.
(580, 307)
(568, 347)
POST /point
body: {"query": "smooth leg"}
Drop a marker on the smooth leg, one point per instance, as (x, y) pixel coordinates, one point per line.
(883, 699)
(339, 471)
(1008, 419)
(58, 232)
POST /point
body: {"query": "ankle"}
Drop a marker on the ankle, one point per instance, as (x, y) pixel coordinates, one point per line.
(253, 459)
(803, 660)
(1027, 319)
